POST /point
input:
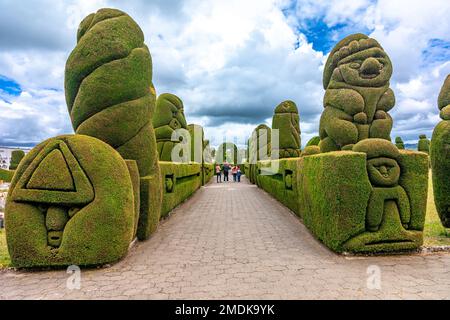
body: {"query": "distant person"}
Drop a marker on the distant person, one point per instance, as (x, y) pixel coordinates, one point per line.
(218, 174)
(226, 170)
(234, 173)
(238, 173)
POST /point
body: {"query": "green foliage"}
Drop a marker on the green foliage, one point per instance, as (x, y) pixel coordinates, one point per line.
(168, 117)
(357, 97)
(444, 100)
(6, 175)
(423, 144)
(180, 181)
(286, 119)
(227, 152)
(399, 143)
(310, 150)
(314, 141)
(110, 95)
(91, 224)
(208, 173)
(16, 157)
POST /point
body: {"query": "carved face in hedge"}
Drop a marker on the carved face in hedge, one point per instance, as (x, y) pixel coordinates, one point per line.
(71, 202)
(359, 61)
(383, 172)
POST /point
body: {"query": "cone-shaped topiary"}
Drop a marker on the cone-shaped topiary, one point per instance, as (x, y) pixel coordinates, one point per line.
(399, 143)
(70, 203)
(16, 157)
(424, 144)
(440, 156)
(358, 97)
(287, 121)
(168, 117)
(110, 96)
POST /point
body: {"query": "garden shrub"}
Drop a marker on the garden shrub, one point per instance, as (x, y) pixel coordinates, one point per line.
(287, 121)
(440, 156)
(110, 95)
(314, 141)
(16, 157)
(6, 175)
(399, 143)
(180, 181)
(358, 97)
(70, 203)
(424, 144)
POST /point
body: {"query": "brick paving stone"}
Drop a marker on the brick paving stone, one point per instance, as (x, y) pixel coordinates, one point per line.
(234, 241)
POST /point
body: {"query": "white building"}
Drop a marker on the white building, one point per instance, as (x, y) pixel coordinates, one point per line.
(5, 155)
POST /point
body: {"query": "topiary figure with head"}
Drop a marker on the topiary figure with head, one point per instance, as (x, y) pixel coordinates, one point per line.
(440, 156)
(110, 96)
(424, 144)
(357, 98)
(399, 143)
(287, 121)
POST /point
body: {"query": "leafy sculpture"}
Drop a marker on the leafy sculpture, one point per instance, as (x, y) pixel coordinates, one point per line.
(168, 117)
(423, 144)
(315, 141)
(358, 97)
(197, 142)
(70, 202)
(287, 121)
(399, 143)
(440, 156)
(110, 96)
(16, 157)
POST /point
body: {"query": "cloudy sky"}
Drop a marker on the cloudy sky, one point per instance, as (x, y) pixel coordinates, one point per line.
(230, 61)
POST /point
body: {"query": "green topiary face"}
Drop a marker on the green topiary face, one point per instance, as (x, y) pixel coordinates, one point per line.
(70, 202)
(383, 172)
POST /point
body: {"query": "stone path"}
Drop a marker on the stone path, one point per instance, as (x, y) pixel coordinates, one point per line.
(233, 241)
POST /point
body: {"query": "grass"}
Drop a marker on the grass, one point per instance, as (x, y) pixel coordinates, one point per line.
(4, 256)
(434, 234)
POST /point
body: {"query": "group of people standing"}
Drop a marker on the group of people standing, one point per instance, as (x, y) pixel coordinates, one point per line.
(226, 168)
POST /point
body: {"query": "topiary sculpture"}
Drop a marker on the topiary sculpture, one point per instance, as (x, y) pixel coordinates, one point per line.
(358, 97)
(424, 144)
(70, 203)
(440, 156)
(110, 96)
(399, 143)
(168, 117)
(16, 157)
(287, 121)
(315, 141)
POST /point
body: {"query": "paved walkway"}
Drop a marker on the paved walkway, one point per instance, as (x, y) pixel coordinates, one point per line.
(233, 241)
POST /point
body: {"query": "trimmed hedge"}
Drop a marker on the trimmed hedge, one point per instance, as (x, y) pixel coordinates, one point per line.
(221, 154)
(424, 144)
(440, 156)
(287, 120)
(313, 142)
(16, 157)
(357, 98)
(339, 207)
(208, 173)
(6, 175)
(399, 143)
(70, 203)
(110, 95)
(180, 181)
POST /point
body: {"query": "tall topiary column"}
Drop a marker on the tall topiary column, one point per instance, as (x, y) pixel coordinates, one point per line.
(169, 116)
(287, 121)
(358, 97)
(440, 156)
(399, 143)
(424, 144)
(16, 157)
(110, 96)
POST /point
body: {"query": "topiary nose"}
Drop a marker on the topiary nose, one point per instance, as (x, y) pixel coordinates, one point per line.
(371, 66)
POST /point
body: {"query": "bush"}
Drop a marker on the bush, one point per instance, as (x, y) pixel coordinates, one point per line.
(287, 121)
(6, 175)
(440, 155)
(399, 143)
(110, 95)
(70, 203)
(313, 142)
(16, 157)
(180, 181)
(423, 144)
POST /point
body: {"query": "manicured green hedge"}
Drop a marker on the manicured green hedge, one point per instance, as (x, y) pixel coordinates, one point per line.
(287, 120)
(208, 172)
(6, 175)
(16, 157)
(424, 144)
(180, 181)
(78, 180)
(281, 184)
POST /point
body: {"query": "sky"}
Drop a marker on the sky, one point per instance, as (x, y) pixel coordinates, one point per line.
(230, 61)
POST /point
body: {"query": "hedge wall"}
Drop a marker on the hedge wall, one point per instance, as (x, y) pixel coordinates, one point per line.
(180, 181)
(6, 175)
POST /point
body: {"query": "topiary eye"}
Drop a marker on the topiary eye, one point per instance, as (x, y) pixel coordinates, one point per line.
(355, 65)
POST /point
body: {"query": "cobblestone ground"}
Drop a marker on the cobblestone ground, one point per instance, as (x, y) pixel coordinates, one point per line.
(233, 241)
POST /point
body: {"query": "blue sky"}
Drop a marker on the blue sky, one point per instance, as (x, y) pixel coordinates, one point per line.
(231, 62)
